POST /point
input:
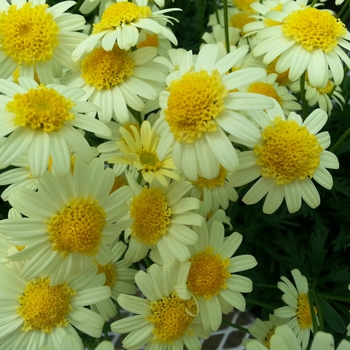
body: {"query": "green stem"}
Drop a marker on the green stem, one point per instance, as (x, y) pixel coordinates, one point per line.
(347, 13)
(216, 12)
(233, 325)
(302, 95)
(313, 3)
(266, 285)
(259, 303)
(343, 9)
(341, 139)
(332, 297)
(227, 39)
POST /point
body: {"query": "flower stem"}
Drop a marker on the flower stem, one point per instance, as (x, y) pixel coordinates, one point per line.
(233, 325)
(341, 139)
(302, 95)
(227, 40)
(259, 303)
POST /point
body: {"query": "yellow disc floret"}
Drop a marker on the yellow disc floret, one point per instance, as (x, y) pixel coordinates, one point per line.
(106, 69)
(151, 215)
(313, 29)
(110, 273)
(29, 34)
(267, 339)
(121, 13)
(195, 101)
(41, 108)
(44, 307)
(149, 160)
(265, 89)
(243, 5)
(171, 318)
(77, 227)
(282, 78)
(288, 152)
(151, 40)
(208, 274)
(303, 311)
(213, 183)
(240, 19)
(270, 22)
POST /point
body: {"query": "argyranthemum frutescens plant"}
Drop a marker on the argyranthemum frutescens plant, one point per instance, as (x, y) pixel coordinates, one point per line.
(126, 162)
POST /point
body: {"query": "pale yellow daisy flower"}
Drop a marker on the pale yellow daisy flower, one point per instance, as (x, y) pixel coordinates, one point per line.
(307, 40)
(43, 120)
(164, 320)
(198, 110)
(69, 222)
(286, 156)
(39, 311)
(38, 38)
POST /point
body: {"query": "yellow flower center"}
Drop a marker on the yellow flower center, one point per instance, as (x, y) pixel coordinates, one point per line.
(327, 89)
(195, 101)
(121, 13)
(239, 20)
(77, 227)
(243, 5)
(171, 318)
(28, 35)
(313, 29)
(270, 22)
(41, 108)
(289, 152)
(119, 181)
(43, 306)
(151, 215)
(208, 274)
(151, 40)
(303, 312)
(109, 271)
(282, 78)
(266, 341)
(106, 69)
(265, 89)
(213, 183)
(149, 160)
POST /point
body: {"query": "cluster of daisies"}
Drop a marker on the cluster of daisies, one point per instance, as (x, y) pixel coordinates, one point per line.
(120, 154)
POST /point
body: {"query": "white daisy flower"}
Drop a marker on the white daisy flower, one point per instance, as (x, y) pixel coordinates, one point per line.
(38, 38)
(285, 339)
(287, 154)
(121, 22)
(39, 311)
(69, 222)
(161, 219)
(298, 309)
(164, 320)
(314, 36)
(42, 120)
(117, 79)
(212, 278)
(198, 110)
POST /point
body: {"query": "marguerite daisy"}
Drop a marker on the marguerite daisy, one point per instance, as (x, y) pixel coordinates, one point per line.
(42, 120)
(287, 154)
(38, 38)
(164, 320)
(121, 22)
(308, 39)
(69, 222)
(198, 108)
(39, 311)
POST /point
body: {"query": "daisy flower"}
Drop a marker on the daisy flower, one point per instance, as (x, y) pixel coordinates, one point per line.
(117, 79)
(121, 22)
(42, 120)
(262, 331)
(198, 109)
(308, 39)
(161, 219)
(215, 193)
(299, 309)
(286, 155)
(285, 339)
(38, 38)
(119, 278)
(39, 311)
(164, 320)
(139, 149)
(69, 222)
(212, 278)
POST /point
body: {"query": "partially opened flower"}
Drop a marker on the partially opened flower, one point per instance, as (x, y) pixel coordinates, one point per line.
(38, 38)
(39, 311)
(287, 155)
(42, 120)
(69, 222)
(312, 35)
